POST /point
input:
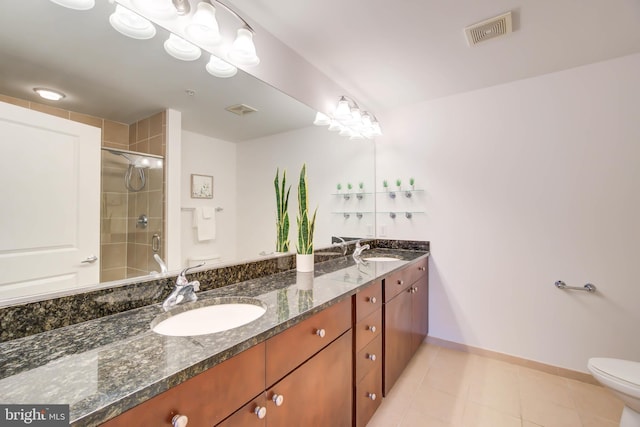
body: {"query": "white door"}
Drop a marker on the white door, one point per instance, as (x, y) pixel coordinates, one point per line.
(50, 203)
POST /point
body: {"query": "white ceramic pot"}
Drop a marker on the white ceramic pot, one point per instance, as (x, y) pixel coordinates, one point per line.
(304, 262)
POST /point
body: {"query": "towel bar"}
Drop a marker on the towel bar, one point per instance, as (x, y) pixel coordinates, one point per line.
(588, 287)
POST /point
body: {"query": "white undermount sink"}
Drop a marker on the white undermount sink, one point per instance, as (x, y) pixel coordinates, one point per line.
(381, 258)
(216, 316)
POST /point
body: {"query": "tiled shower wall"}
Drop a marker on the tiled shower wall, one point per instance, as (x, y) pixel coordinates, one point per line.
(125, 251)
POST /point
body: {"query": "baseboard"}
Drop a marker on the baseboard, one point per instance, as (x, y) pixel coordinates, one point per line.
(555, 370)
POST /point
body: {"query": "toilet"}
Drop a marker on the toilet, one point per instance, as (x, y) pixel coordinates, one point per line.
(209, 259)
(623, 378)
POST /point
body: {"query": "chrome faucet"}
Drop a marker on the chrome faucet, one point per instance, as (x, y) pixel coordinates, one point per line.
(357, 252)
(342, 244)
(184, 291)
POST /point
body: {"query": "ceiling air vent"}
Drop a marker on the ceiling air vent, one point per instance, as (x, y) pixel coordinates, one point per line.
(488, 29)
(241, 109)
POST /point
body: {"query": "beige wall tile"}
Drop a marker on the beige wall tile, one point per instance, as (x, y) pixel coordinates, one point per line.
(116, 132)
(15, 101)
(133, 134)
(143, 130)
(113, 274)
(54, 111)
(110, 144)
(113, 255)
(86, 119)
(156, 145)
(155, 125)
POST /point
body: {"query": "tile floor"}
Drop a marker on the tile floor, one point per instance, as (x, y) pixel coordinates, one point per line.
(447, 388)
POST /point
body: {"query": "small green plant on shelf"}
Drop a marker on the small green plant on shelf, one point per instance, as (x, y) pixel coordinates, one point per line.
(361, 186)
(349, 186)
(412, 183)
(306, 223)
(398, 183)
(282, 217)
(385, 185)
(339, 187)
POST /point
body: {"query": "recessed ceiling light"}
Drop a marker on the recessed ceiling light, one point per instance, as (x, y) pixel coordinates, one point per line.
(50, 94)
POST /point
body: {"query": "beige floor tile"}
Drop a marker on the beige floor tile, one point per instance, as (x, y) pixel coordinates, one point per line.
(499, 392)
(546, 387)
(589, 420)
(438, 404)
(476, 415)
(530, 424)
(452, 382)
(548, 414)
(452, 360)
(595, 400)
(415, 418)
(386, 416)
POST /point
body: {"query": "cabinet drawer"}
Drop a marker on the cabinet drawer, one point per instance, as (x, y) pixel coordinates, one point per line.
(368, 328)
(247, 416)
(205, 399)
(289, 349)
(370, 357)
(400, 280)
(368, 397)
(368, 300)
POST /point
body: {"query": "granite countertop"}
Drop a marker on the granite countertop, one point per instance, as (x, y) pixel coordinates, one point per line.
(106, 366)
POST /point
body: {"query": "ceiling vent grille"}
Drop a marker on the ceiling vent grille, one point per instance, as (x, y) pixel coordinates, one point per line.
(489, 29)
(241, 109)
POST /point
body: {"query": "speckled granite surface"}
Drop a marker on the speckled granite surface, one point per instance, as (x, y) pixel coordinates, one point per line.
(27, 319)
(105, 366)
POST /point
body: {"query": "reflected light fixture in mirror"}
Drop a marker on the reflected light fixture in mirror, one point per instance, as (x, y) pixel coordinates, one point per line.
(131, 24)
(219, 68)
(76, 4)
(349, 120)
(181, 49)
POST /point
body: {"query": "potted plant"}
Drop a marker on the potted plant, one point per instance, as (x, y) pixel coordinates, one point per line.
(412, 183)
(282, 217)
(398, 184)
(339, 187)
(306, 225)
(385, 185)
(361, 187)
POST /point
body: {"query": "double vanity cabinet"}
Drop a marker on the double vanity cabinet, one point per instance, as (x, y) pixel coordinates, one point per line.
(331, 369)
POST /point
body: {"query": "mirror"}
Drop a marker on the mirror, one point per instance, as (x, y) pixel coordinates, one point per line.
(116, 79)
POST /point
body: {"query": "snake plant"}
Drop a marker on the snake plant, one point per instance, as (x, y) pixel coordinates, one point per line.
(306, 224)
(282, 220)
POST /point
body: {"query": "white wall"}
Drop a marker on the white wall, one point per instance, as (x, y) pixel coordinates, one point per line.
(330, 159)
(528, 183)
(204, 155)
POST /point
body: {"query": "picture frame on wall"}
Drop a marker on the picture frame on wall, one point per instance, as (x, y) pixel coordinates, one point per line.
(201, 186)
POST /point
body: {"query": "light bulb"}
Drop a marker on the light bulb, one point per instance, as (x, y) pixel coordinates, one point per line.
(321, 119)
(76, 4)
(219, 68)
(243, 51)
(181, 49)
(343, 111)
(204, 27)
(131, 24)
(161, 9)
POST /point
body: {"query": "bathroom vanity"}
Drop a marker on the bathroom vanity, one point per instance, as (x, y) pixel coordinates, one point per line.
(323, 354)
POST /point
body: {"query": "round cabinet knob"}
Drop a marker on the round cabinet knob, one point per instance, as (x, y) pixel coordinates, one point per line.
(371, 396)
(278, 399)
(321, 333)
(372, 329)
(373, 300)
(421, 268)
(415, 289)
(400, 282)
(260, 412)
(371, 357)
(179, 420)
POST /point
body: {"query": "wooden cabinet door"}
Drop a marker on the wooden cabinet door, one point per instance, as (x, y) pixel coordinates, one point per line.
(397, 338)
(253, 414)
(420, 312)
(318, 393)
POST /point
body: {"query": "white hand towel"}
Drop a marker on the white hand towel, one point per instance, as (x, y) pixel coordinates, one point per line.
(204, 221)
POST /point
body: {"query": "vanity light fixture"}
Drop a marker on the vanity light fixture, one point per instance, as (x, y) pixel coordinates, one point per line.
(50, 94)
(192, 30)
(219, 68)
(181, 49)
(350, 120)
(76, 4)
(131, 24)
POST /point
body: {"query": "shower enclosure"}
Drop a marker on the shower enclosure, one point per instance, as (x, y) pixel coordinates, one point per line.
(131, 215)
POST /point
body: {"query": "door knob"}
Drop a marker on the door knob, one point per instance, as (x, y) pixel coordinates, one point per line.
(90, 259)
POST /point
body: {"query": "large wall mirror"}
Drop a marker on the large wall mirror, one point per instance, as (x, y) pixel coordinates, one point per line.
(125, 87)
